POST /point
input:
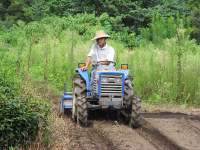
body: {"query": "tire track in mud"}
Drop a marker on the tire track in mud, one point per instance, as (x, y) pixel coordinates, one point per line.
(157, 138)
(168, 115)
(192, 125)
(179, 130)
(154, 136)
(94, 137)
(70, 136)
(122, 136)
(189, 120)
(86, 138)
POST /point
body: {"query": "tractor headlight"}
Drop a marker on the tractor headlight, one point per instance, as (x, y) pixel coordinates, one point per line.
(124, 66)
(81, 65)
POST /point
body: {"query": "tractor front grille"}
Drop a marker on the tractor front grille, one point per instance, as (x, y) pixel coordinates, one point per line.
(111, 85)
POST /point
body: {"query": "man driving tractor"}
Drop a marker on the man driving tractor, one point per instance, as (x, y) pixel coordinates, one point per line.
(106, 88)
(100, 52)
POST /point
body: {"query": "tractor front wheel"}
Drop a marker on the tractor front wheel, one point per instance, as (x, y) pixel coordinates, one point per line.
(82, 113)
(133, 105)
(135, 120)
(79, 109)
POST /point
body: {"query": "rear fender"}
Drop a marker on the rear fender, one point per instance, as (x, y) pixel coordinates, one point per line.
(84, 74)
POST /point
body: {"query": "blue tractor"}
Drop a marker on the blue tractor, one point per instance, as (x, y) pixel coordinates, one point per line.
(107, 88)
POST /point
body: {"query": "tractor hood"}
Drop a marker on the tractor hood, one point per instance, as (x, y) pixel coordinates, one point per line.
(123, 72)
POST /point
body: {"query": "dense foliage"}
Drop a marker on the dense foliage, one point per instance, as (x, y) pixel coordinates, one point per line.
(165, 62)
(43, 40)
(21, 115)
(134, 14)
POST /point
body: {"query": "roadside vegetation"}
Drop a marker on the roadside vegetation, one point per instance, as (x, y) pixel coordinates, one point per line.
(161, 48)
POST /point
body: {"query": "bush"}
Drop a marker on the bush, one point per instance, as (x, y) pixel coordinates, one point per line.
(20, 121)
(8, 90)
(195, 21)
(18, 124)
(20, 118)
(160, 28)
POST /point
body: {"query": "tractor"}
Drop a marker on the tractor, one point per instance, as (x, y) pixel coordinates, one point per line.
(104, 88)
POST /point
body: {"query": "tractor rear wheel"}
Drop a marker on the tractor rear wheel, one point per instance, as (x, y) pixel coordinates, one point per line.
(132, 105)
(79, 109)
(135, 120)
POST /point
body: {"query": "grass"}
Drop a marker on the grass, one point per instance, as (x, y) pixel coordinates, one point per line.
(161, 75)
(154, 66)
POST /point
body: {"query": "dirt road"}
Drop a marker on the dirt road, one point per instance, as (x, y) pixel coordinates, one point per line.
(161, 130)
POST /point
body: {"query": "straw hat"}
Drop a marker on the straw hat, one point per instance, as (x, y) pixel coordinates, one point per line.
(100, 34)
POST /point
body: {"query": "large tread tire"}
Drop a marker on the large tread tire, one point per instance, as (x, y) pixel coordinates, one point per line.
(79, 112)
(132, 105)
(136, 119)
(82, 112)
(128, 93)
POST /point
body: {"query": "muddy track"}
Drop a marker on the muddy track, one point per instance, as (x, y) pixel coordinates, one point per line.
(74, 137)
(109, 134)
(88, 138)
(160, 131)
(168, 115)
(157, 138)
(192, 125)
(182, 133)
(102, 136)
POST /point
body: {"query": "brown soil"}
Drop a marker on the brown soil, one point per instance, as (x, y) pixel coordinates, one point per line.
(161, 130)
(123, 137)
(183, 132)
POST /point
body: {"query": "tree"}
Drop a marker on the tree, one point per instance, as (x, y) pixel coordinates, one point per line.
(195, 19)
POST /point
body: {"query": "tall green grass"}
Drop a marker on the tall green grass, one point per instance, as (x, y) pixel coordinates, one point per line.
(58, 44)
(155, 71)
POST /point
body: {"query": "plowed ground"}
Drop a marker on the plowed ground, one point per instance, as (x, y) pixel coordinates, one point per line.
(161, 130)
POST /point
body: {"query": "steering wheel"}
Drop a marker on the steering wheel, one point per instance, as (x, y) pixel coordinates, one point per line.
(106, 61)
